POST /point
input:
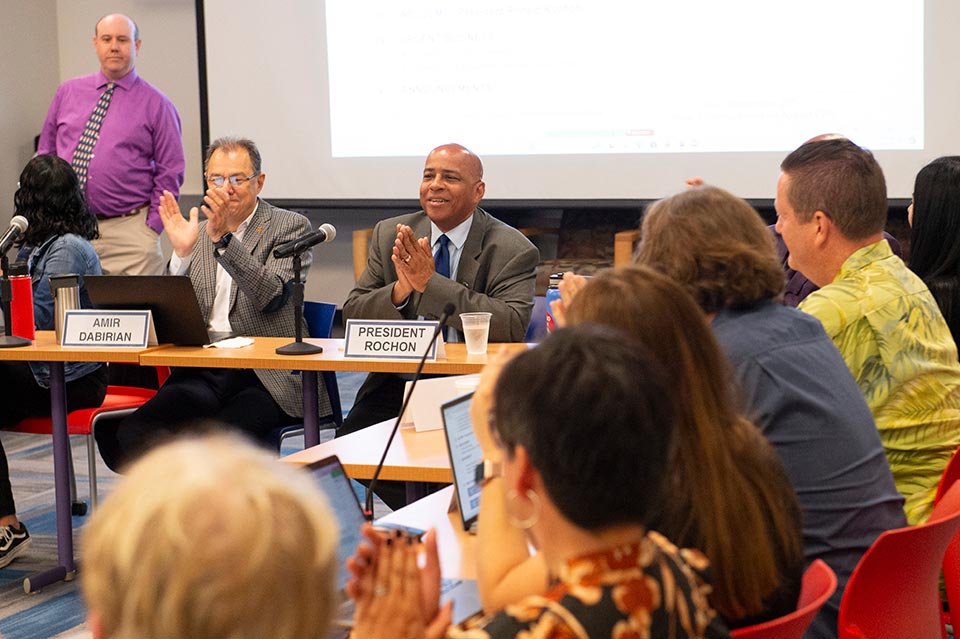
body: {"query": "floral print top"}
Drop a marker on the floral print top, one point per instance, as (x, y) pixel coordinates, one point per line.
(646, 590)
(896, 343)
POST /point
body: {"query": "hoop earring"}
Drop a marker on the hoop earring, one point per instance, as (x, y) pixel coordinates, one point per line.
(532, 518)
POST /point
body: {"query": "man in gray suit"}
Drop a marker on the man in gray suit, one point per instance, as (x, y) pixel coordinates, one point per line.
(241, 288)
(491, 267)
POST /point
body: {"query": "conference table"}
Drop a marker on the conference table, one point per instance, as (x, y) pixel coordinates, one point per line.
(413, 456)
(46, 349)
(262, 354)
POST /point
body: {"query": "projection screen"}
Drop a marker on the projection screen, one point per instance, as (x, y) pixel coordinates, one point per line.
(577, 99)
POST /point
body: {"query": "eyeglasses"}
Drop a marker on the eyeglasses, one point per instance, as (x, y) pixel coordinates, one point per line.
(234, 180)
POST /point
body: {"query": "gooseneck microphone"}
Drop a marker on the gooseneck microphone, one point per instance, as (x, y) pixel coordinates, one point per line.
(448, 310)
(325, 233)
(18, 225)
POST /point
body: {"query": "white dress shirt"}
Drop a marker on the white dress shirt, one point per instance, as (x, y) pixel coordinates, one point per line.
(220, 313)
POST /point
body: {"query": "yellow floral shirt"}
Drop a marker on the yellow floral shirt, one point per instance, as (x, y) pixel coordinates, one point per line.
(646, 590)
(889, 330)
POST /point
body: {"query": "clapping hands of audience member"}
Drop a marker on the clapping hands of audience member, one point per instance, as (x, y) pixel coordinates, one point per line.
(413, 260)
(395, 596)
(181, 232)
(569, 287)
(216, 206)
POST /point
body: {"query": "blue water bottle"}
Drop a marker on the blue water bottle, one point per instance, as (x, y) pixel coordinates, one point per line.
(553, 293)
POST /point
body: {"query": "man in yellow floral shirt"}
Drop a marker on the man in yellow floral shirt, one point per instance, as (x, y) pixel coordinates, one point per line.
(831, 210)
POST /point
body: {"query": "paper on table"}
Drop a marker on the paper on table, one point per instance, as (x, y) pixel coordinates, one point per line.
(232, 342)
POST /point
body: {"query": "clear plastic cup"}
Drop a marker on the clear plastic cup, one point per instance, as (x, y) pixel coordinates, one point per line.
(476, 332)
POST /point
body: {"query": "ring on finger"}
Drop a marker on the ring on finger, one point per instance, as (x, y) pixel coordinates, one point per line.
(407, 259)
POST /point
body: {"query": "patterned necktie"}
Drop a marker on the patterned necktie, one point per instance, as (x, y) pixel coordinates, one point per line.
(442, 257)
(84, 151)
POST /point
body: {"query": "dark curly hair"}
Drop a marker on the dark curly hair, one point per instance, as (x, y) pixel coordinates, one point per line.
(50, 198)
(713, 244)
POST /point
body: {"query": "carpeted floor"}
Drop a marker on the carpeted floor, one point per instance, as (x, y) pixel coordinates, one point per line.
(58, 610)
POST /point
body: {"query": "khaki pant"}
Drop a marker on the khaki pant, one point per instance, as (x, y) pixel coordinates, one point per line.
(127, 246)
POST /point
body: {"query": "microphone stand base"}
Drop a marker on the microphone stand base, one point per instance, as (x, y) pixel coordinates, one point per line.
(12, 341)
(299, 348)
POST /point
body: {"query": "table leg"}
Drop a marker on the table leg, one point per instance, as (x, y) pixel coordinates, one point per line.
(66, 569)
(311, 419)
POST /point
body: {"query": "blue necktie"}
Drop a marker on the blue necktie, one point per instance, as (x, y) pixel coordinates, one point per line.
(442, 257)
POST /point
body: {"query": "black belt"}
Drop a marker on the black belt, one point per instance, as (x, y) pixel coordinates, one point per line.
(135, 211)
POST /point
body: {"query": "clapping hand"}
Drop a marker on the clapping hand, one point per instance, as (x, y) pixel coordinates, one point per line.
(395, 597)
(181, 232)
(570, 285)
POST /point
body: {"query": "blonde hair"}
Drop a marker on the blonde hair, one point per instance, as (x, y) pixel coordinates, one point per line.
(211, 537)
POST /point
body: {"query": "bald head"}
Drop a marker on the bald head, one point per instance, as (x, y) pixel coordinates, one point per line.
(134, 29)
(823, 137)
(117, 43)
(469, 159)
(452, 185)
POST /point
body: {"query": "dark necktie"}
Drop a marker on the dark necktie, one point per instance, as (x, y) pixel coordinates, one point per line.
(84, 151)
(442, 257)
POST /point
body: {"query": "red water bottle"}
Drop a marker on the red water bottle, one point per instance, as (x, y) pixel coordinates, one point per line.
(21, 302)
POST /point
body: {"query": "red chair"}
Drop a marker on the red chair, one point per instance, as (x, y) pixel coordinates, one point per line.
(119, 402)
(894, 591)
(951, 560)
(819, 583)
(950, 474)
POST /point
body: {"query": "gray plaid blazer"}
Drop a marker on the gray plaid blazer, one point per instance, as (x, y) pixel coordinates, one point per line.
(260, 296)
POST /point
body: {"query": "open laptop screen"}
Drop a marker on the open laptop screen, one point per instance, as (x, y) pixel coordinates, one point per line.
(333, 481)
(465, 455)
(170, 298)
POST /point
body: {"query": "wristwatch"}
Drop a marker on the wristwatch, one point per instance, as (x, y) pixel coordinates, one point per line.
(486, 470)
(223, 241)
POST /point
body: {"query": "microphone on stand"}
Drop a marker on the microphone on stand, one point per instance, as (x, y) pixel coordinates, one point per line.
(296, 247)
(325, 233)
(448, 310)
(18, 225)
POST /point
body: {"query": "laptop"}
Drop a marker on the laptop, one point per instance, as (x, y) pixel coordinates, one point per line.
(465, 455)
(170, 298)
(332, 479)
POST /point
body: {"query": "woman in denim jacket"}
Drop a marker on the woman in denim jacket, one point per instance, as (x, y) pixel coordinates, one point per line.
(56, 242)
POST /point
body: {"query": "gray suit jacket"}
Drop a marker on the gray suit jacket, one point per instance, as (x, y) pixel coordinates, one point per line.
(260, 301)
(496, 273)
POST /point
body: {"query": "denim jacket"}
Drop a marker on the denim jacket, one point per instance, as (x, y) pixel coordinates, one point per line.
(59, 255)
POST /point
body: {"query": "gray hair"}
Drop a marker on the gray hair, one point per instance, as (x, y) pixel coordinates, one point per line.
(228, 144)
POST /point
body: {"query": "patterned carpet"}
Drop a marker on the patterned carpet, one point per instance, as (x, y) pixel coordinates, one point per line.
(58, 610)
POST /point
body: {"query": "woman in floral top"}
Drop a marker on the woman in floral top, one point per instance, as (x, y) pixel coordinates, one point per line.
(576, 454)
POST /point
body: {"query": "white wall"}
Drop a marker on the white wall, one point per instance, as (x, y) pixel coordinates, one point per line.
(28, 78)
(49, 41)
(168, 58)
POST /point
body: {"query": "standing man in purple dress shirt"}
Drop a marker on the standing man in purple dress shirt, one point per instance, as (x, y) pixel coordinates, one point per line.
(137, 154)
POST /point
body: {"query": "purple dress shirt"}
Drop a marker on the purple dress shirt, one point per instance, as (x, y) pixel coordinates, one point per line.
(139, 153)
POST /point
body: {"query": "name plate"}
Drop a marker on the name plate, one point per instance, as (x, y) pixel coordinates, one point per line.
(393, 339)
(84, 327)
